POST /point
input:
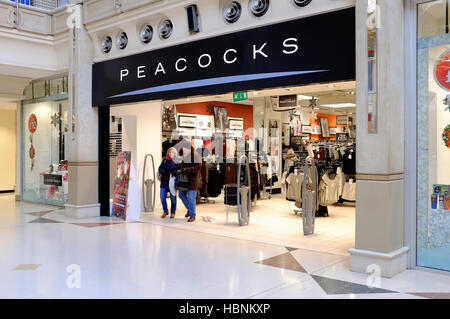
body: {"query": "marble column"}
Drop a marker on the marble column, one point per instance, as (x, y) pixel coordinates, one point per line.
(82, 142)
(380, 156)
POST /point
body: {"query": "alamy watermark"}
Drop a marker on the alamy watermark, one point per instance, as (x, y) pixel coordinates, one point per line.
(74, 279)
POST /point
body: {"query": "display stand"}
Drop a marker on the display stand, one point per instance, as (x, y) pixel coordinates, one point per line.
(148, 185)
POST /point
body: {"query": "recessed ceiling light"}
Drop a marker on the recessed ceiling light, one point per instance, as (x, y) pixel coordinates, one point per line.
(290, 90)
(255, 93)
(331, 86)
(303, 97)
(340, 105)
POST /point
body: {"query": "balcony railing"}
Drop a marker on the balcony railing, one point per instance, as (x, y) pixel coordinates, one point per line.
(43, 4)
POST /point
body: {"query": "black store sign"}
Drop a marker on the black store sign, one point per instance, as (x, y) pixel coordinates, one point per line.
(308, 50)
(53, 179)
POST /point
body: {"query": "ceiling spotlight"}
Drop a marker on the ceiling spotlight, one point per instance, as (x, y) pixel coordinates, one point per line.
(106, 44)
(122, 40)
(259, 7)
(146, 34)
(165, 29)
(255, 93)
(302, 3)
(331, 86)
(232, 11)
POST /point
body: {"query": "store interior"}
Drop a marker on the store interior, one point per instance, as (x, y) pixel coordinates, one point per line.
(281, 132)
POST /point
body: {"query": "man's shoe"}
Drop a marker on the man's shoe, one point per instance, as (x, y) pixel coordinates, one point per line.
(187, 215)
(164, 215)
(191, 219)
(172, 215)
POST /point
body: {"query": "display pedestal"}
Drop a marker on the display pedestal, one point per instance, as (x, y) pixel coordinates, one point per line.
(390, 264)
(82, 211)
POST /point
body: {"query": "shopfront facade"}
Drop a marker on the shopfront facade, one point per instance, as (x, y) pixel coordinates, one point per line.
(427, 125)
(387, 172)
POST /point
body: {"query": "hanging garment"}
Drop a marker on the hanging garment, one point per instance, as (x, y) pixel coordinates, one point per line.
(215, 181)
(204, 181)
(230, 173)
(328, 191)
(231, 148)
(349, 160)
(254, 180)
(340, 180)
(349, 193)
(294, 187)
(320, 155)
(289, 160)
(309, 197)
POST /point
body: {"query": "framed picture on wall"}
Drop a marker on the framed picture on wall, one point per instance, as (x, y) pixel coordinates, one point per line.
(296, 124)
(307, 129)
(169, 115)
(187, 121)
(220, 119)
(341, 120)
(316, 129)
(235, 124)
(324, 127)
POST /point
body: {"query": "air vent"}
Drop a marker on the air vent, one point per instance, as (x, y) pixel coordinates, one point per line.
(165, 29)
(232, 11)
(146, 34)
(302, 3)
(122, 40)
(106, 44)
(259, 7)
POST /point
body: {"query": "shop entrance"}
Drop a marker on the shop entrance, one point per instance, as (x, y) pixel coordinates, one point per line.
(273, 95)
(278, 130)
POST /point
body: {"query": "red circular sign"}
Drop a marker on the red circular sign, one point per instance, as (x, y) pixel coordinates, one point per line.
(442, 70)
(32, 123)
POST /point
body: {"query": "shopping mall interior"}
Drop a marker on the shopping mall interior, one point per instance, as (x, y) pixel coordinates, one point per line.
(302, 122)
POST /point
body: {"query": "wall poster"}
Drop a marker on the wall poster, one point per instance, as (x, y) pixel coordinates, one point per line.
(324, 127)
(220, 119)
(121, 184)
(169, 122)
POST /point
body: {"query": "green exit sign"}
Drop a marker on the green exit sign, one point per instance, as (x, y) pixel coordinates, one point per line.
(240, 96)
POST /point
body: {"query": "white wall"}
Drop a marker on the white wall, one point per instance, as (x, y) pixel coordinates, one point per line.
(8, 149)
(142, 135)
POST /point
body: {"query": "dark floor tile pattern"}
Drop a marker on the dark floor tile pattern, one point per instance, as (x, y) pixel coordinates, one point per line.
(27, 267)
(339, 287)
(43, 220)
(91, 225)
(285, 261)
(40, 214)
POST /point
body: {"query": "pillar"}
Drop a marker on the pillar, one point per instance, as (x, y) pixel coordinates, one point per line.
(82, 142)
(380, 156)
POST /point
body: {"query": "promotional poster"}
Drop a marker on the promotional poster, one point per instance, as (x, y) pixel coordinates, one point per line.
(121, 184)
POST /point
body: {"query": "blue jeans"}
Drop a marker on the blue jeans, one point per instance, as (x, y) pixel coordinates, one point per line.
(189, 199)
(173, 200)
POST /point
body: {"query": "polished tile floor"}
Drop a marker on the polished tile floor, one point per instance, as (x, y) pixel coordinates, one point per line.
(47, 255)
(272, 222)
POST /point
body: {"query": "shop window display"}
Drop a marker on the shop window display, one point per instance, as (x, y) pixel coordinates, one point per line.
(44, 133)
(433, 149)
